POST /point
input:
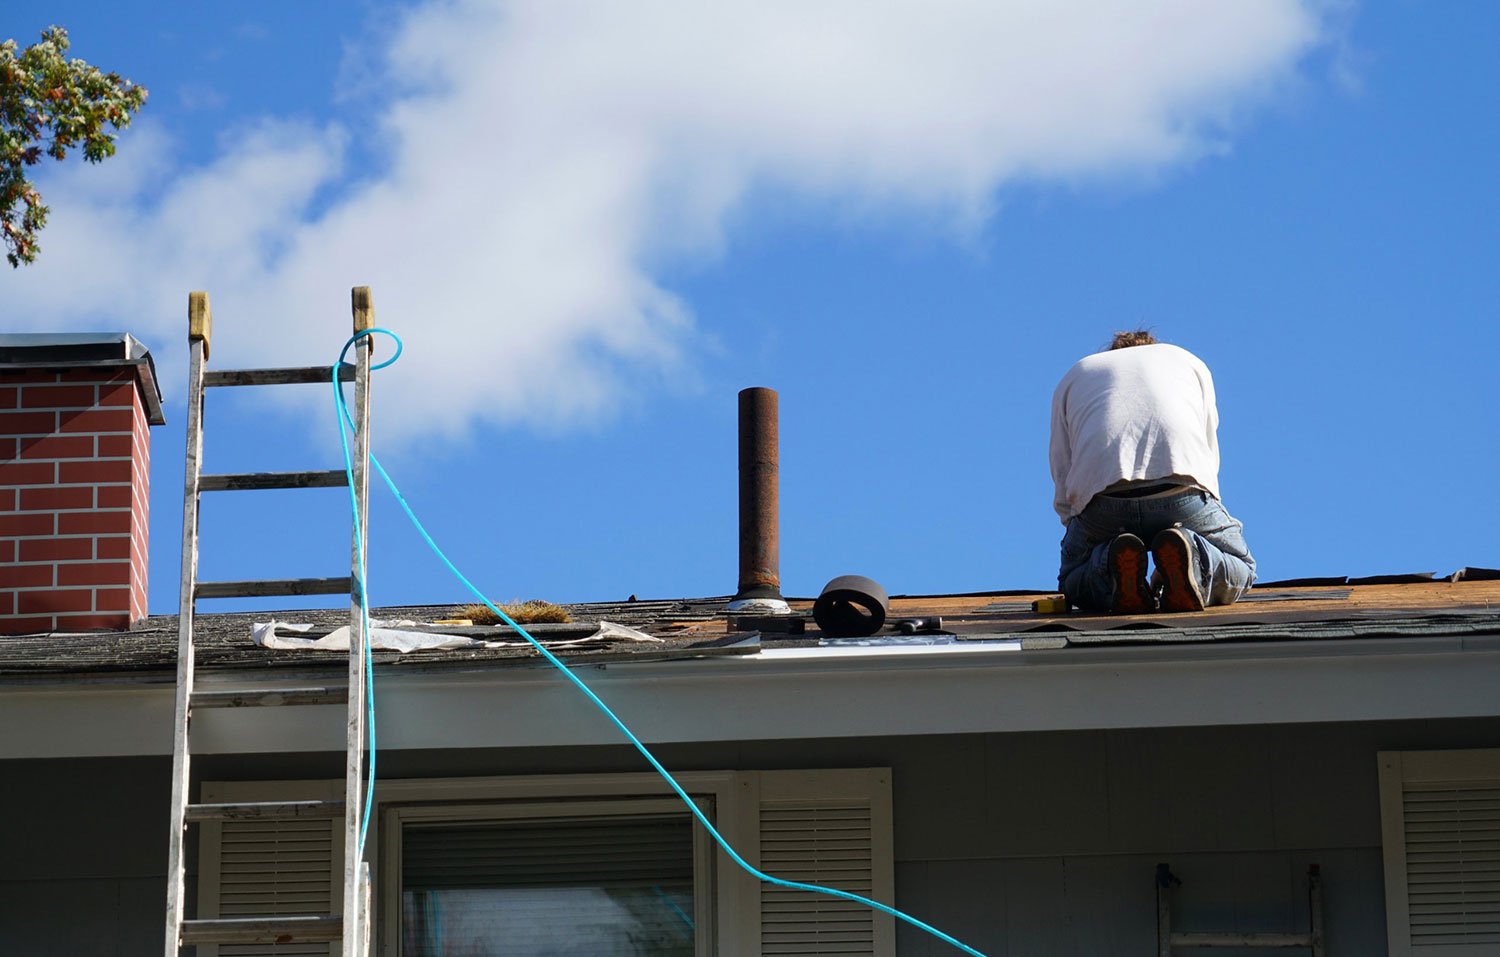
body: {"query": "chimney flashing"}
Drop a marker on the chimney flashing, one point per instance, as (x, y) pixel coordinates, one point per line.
(57, 352)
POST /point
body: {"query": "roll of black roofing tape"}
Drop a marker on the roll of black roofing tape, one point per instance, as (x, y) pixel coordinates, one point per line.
(851, 606)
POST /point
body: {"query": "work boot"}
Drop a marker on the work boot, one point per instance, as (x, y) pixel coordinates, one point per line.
(1177, 571)
(1127, 572)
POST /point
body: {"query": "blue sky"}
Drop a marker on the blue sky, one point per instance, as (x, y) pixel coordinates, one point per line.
(593, 224)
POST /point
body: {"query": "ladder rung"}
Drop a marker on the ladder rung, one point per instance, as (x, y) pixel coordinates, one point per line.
(246, 481)
(268, 697)
(285, 586)
(1242, 940)
(264, 810)
(277, 376)
(262, 930)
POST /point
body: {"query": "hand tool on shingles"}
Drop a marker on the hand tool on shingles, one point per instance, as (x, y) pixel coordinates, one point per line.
(1055, 605)
(911, 626)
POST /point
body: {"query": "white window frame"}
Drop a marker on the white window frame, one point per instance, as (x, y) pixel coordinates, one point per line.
(398, 815)
(736, 798)
(730, 794)
(1397, 769)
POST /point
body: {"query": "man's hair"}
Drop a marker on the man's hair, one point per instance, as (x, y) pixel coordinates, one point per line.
(1137, 337)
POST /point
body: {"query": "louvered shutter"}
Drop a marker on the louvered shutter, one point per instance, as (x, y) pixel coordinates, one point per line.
(270, 868)
(830, 828)
(1441, 821)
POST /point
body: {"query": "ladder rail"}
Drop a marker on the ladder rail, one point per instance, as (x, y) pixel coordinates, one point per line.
(355, 916)
(199, 330)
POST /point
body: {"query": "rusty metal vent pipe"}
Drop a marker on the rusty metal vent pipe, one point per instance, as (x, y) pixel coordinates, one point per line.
(760, 530)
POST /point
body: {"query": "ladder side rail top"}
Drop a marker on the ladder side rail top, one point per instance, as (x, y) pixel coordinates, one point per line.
(355, 912)
(200, 324)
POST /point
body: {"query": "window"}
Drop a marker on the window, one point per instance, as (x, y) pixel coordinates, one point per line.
(1440, 823)
(603, 861)
(614, 878)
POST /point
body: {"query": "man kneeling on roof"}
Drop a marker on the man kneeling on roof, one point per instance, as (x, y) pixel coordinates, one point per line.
(1135, 459)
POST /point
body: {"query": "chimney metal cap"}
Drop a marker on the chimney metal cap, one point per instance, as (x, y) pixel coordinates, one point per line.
(86, 350)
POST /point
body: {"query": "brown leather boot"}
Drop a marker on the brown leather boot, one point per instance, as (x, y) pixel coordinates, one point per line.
(1127, 568)
(1182, 586)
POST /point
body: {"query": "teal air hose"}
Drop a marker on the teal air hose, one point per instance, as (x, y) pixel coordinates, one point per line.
(346, 422)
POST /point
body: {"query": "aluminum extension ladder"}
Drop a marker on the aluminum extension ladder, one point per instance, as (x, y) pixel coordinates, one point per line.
(352, 926)
(1167, 938)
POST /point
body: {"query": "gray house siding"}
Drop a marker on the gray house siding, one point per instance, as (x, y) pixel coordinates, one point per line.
(83, 856)
(1020, 844)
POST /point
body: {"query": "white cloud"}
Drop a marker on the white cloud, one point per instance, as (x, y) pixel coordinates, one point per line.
(542, 156)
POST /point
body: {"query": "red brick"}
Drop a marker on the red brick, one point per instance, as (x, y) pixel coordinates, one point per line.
(28, 423)
(8, 448)
(94, 473)
(25, 626)
(114, 546)
(112, 599)
(120, 393)
(54, 549)
(7, 552)
(116, 446)
(57, 397)
(27, 523)
(7, 604)
(99, 376)
(40, 499)
(94, 420)
(7, 500)
(8, 396)
(29, 576)
(115, 496)
(97, 573)
(87, 523)
(44, 602)
(58, 447)
(70, 623)
(27, 473)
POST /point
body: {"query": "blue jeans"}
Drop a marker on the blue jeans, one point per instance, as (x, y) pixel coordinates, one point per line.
(1218, 545)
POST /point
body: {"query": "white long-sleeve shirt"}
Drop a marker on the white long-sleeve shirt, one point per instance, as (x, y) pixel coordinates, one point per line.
(1140, 413)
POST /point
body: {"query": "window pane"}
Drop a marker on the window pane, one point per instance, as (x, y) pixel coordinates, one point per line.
(562, 886)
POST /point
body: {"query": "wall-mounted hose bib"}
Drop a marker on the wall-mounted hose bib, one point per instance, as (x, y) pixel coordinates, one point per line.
(346, 426)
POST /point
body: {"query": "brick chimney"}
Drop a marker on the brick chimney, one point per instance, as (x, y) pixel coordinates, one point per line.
(75, 462)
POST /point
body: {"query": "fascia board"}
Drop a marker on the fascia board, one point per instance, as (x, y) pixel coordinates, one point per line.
(756, 697)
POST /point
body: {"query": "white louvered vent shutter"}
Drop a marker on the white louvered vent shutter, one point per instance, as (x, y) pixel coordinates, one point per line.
(1452, 865)
(276, 868)
(826, 843)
